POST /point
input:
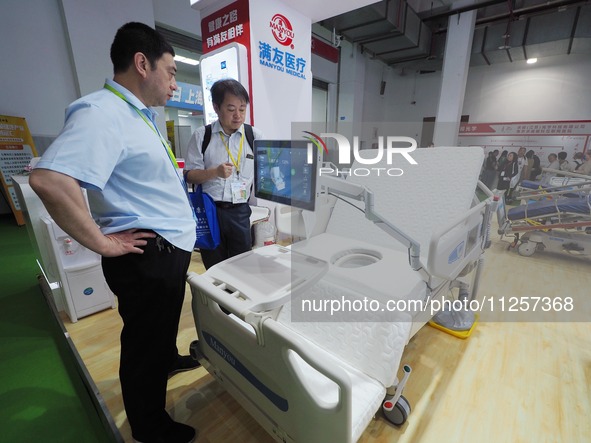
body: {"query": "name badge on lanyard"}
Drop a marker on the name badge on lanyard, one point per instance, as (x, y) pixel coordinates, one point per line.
(239, 186)
(239, 190)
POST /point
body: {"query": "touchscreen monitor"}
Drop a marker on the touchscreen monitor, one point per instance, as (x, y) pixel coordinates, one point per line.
(285, 173)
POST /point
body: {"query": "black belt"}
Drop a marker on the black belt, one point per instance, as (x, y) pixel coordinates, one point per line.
(161, 242)
(228, 205)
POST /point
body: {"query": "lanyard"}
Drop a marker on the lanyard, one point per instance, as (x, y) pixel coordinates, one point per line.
(237, 161)
(152, 126)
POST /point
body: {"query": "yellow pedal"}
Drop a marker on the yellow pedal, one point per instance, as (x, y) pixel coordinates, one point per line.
(459, 334)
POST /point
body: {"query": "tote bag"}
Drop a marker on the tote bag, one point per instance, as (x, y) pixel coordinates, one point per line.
(208, 230)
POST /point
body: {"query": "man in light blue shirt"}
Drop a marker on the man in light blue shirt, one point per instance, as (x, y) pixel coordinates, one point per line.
(121, 196)
(225, 169)
(111, 146)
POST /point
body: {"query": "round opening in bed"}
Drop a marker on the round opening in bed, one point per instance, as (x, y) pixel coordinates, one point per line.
(355, 258)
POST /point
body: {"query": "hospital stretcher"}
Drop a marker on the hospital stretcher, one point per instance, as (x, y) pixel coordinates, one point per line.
(555, 219)
(568, 184)
(312, 377)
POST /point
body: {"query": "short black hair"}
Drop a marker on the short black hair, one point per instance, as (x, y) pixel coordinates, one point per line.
(134, 37)
(562, 155)
(228, 85)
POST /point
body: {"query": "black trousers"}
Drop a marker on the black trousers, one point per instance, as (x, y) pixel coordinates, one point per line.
(234, 221)
(150, 288)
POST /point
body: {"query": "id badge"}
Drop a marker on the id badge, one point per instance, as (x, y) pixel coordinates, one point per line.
(239, 194)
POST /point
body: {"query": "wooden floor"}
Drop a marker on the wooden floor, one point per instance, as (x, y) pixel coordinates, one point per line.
(509, 382)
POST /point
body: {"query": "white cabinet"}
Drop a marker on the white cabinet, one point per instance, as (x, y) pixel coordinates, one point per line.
(80, 272)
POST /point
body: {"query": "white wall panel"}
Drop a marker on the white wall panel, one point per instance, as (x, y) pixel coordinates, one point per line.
(36, 76)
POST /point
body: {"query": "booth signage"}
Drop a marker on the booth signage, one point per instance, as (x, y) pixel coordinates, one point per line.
(228, 61)
(170, 135)
(229, 24)
(187, 96)
(16, 151)
(282, 61)
(543, 137)
(278, 58)
(324, 50)
(582, 127)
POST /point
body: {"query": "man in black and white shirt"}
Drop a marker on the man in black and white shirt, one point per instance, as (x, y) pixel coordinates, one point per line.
(220, 157)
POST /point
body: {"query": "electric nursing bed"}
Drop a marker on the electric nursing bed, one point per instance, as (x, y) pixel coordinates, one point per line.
(265, 320)
(556, 219)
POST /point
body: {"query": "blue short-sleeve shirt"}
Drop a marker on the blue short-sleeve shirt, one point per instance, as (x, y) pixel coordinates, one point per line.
(121, 161)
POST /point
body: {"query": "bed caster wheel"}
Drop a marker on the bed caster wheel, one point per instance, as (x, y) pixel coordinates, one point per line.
(527, 248)
(396, 413)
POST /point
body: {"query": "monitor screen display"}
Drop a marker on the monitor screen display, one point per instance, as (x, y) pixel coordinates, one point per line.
(284, 173)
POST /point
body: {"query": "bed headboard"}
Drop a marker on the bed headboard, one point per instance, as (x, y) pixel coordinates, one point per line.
(428, 195)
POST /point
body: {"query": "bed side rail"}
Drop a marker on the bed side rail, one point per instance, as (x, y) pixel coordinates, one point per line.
(461, 242)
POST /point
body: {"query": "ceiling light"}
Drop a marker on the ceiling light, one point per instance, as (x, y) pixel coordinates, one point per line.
(187, 60)
(531, 61)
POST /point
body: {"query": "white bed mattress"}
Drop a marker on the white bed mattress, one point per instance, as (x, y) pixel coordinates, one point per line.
(389, 278)
(412, 203)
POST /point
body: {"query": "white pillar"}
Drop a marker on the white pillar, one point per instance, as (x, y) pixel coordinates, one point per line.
(458, 47)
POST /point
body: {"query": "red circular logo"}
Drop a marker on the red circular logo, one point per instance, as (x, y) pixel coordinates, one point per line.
(282, 30)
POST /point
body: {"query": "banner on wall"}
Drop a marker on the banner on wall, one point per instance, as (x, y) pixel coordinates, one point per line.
(544, 138)
(16, 151)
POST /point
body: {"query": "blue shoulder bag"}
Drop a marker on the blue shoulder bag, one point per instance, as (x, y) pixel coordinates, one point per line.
(208, 229)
